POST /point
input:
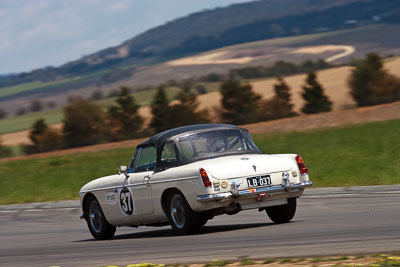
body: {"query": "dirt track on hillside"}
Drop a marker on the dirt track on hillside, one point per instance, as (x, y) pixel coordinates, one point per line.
(296, 124)
(246, 56)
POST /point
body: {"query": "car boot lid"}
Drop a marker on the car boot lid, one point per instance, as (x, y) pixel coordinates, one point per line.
(238, 166)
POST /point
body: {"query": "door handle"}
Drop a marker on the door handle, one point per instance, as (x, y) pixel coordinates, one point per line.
(146, 179)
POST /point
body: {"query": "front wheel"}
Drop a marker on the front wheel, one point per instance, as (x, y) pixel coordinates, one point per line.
(282, 214)
(96, 221)
(182, 218)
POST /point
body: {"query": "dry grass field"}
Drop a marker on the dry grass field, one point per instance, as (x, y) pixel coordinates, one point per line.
(333, 80)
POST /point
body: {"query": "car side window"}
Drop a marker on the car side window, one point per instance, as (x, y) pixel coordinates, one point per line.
(145, 160)
(168, 153)
(187, 149)
(135, 160)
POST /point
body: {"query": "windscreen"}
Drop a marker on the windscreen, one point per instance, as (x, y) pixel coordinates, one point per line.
(216, 142)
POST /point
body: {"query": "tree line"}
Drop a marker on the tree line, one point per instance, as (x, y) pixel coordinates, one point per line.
(86, 123)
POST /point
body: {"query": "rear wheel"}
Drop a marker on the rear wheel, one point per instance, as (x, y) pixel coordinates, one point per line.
(182, 218)
(96, 221)
(282, 214)
(202, 220)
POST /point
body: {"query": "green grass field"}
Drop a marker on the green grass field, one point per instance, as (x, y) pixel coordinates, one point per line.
(24, 122)
(32, 86)
(353, 155)
(364, 154)
(35, 86)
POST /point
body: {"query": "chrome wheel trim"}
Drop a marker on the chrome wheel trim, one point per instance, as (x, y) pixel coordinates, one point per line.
(95, 217)
(177, 211)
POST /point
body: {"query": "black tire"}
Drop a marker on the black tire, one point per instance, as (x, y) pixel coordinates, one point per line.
(182, 218)
(96, 221)
(282, 214)
(202, 220)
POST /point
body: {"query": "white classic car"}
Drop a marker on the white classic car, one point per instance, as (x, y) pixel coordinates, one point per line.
(186, 176)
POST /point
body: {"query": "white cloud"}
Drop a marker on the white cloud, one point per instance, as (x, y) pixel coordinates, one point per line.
(92, 2)
(51, 32)
(119, 6)
(3, 12)
(4, 46)
(35, 6)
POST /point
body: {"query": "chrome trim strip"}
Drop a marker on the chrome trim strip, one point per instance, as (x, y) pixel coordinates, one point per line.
(99, 189)
(244, 193)
(112, 187)
(174, 180)
(219, 196)
(139, 184)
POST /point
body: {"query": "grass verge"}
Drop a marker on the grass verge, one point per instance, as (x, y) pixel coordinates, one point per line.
(344, 156)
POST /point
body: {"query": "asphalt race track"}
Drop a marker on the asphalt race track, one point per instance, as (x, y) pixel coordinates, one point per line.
(327, 224)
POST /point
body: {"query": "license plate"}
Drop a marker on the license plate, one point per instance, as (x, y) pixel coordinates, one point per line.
(259, 181)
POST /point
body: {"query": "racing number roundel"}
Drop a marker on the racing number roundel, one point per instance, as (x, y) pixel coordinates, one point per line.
(125, 200)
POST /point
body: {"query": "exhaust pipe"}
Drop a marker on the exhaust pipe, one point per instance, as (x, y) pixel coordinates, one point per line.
(234, 191)
(233, 208)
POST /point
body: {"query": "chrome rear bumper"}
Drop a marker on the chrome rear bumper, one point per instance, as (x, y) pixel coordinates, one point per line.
(221, 197)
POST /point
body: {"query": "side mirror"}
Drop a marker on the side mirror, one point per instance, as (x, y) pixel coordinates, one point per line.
(123, 170)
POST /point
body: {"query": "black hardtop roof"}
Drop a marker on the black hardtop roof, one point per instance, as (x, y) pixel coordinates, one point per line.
(161, 137)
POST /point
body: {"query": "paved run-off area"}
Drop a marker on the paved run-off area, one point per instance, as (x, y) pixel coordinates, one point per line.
(332, 221)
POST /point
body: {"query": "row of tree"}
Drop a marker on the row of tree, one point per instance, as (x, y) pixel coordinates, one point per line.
(4, 150)
(166, 115)
(241, 105)
(278, 69)
(86, 123)
(370, 84)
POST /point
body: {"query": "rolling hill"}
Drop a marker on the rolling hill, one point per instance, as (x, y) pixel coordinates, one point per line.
(207, 30)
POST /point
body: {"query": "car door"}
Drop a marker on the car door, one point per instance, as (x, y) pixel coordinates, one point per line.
(140, 172)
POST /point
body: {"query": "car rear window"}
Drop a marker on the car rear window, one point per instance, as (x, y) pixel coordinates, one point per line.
(215, 142)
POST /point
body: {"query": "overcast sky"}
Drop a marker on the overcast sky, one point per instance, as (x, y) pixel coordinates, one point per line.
(39, 33)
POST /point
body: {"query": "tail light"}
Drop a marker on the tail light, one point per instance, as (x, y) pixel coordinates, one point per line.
(204, 177)
(301, 164)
